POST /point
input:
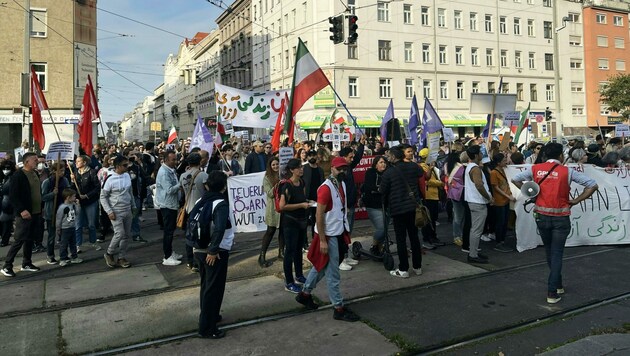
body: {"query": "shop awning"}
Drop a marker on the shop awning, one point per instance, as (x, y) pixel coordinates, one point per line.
(449, 120)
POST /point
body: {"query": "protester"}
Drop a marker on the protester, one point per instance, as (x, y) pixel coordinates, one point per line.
(294, 206)
(536, 151)
(26, 197)
(257, 160)
(272, 217)
(578, 155)
(502, 196)
(119, 204)
(167, 197)
(477, 195)
(332, 224)
(88, 185)
(353, 159)
(192, 183)
(594, 157)
(313, 177)
(65, 227)
(433, 185)
(139, 191)
(552, 209)
(52, 196)
(455, 169)
(373, 201)
(105, 223)
(212, 253)
(7, 169)
(401, 193)
(228, 164)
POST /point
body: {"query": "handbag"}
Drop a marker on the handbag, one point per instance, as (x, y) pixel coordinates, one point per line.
(422, 216)
(182, 215)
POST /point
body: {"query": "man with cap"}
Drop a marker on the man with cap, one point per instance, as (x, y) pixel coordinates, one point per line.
(329, 242)
(594, 156)
(432, 185)
(257, 160)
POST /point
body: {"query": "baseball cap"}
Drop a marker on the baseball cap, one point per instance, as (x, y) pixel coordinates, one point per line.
(424, 153)
(338, 162)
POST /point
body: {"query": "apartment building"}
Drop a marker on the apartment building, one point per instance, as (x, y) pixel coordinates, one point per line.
(235, 27)
(62, 50)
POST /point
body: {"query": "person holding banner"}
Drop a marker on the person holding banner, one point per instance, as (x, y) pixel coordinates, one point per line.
(552, 209)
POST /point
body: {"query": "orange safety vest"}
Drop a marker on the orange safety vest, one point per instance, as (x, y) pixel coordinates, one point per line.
(553, 199)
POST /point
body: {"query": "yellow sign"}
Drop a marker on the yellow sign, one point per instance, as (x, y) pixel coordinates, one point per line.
(156, 126)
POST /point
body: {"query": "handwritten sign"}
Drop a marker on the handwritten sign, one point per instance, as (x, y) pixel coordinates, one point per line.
(622, 130)
(603, 219)
(284, 155)
(247, 108)
(449, 135)
(433, 143)
(18, 154)
(247, 202)
(65, 148)
(511, 118)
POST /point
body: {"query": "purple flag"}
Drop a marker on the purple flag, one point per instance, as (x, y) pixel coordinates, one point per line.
(201, 137)
(389, 114)
(431, 121)
(413, 122)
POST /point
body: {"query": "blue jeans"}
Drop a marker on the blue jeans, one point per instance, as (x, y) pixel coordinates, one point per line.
(501, 214)
(331, 271)
(86, 216)
(380, 227)
(458, 218)
(135, 221)
(554, 231)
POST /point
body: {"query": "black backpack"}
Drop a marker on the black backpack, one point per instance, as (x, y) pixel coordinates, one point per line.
(193, 227)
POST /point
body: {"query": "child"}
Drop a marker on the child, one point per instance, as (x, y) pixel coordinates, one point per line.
(66, 227)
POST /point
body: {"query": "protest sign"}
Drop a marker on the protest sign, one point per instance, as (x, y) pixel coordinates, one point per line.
(247, 202)
(18, 153)
(433, 140)
(622, 130)
(603, 219)
(247, 108)
(284, 155)
(449, 135)
(65, 148)
(511, 118)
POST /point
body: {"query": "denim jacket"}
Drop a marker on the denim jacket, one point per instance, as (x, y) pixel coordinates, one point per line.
(167, 188)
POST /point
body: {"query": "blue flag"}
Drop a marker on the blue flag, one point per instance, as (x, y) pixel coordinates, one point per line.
(486, 130)
(431, 121)
(201, 137)
(413, 122)
(389, 114)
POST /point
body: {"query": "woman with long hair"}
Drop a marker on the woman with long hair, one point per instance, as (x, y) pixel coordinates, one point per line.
(373, 201)
(502, 197)
(272, 217)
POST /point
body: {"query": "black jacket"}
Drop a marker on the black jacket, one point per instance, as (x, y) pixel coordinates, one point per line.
(20, 193)
(371, 196)
(312, 174)
(89, 185)
(6, 213)
(252, 163)
(394, 190)
(218, 219)
(351, 189)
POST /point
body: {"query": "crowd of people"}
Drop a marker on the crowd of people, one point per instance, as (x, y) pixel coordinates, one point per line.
(107, 192)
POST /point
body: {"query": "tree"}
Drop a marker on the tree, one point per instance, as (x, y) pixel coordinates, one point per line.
(616, 94)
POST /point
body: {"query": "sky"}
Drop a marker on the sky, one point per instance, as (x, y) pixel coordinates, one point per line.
(126, 46)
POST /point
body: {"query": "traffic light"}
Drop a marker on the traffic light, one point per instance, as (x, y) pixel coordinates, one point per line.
(336, 29)
(548, 116)
(352, 29)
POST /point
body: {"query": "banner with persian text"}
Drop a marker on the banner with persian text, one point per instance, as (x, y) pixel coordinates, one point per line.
(248, 108)
(603, 219)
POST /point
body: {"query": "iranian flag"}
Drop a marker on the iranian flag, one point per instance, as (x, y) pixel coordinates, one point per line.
(308, 79)
(172, 135)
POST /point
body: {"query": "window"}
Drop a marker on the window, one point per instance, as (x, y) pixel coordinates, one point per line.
(548, 61)
(385, 87)
(475, 87)
(457, 19)
(575, 63)
(620, 65)
(533, 92)
(382, 11)
(530, 2)
(550, 92)
(519, 91)
(443, 89)
(491, 87)
(604, 110)
(459, 55)
(409, 88)
(531, 60)
(602, 41)
(600, 18)
(577, 110)
(517, 59)
(426, 88)
(575, 41)
(488, 23)
(40, 71)
(617, 20)
(424, 16)
(441, 18)
(505, 88)
(619, 42)
(547, 3)
(503, 25)
(473, 21)
(504, 58)
(530, 28)
(353, 51)
(547, 30)
(426, 53)
(489, 56)
(460, 90)
(474, 56)
(384, 50)
(353, 87)
(407, 19)
(38, 21)
(577, 87)
(442, 53)
(574, 17)
(603, 63)
(408, 52)
(517, 26)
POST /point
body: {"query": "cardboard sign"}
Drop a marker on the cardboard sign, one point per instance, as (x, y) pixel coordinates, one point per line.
(285, 154)
(449, 135)
(622, 130)
(229, 128)
(18, 153)
(65, 148)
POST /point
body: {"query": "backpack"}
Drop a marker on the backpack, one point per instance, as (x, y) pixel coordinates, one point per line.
(193, 227)
(276, 194)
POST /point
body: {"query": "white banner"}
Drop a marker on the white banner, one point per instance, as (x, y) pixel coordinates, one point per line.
(247, 202)
(603, 219)
(247, 108)
(66, 149)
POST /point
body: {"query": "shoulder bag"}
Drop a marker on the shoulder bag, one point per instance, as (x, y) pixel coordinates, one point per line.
(423, 217)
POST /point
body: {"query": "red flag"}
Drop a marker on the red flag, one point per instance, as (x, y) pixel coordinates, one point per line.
(275, 140)
(38, 103)
(89, 111)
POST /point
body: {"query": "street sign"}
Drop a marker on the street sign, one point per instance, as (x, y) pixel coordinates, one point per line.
(540, 118)
(156, 126)
(71, 121)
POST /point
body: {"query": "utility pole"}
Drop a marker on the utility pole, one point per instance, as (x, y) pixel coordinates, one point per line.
(26, 70)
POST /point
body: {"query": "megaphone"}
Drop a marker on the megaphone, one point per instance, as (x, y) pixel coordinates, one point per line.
(530, 190)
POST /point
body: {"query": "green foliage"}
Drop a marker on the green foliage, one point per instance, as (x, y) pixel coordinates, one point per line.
(616, 94)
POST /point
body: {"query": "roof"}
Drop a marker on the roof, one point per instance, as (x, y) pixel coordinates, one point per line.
(196, 38)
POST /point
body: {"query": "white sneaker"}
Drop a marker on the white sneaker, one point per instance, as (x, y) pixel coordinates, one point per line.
(399, 273)
(76, 260)
(351, 261)
(176, 255)
(171, 261)
(418, 271)
(96, 246)
(486, 238)
(344, 266)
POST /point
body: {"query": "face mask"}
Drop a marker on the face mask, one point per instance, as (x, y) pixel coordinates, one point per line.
(312, 160)
(341, 176)
(6, 171)
(41, 166)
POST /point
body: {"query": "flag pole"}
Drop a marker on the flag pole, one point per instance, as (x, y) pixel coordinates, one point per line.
(354, 121)
(53, 123)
